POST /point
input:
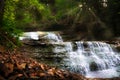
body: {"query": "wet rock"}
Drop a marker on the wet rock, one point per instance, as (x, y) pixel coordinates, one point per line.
(118, 48)
(85, 45)
(74, 46)
(93, 66)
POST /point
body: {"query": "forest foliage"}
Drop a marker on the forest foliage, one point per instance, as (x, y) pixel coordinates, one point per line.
(17, 15)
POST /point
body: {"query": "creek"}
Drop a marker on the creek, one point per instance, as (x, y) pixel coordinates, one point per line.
(93, 59)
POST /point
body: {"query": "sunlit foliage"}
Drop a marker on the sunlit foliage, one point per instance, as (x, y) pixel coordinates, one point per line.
(24, 14)
(9, 33)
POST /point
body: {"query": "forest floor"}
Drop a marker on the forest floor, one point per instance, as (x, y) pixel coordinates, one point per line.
(17, 65)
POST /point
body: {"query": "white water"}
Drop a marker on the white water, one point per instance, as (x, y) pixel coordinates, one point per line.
(93, 59)
(30, 35)
(53, 37)
(46, 35)
(88, 55)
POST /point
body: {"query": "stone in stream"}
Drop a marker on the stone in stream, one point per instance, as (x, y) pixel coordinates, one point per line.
(93, 66)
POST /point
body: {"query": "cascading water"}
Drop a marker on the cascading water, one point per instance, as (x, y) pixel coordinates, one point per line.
(47, 35)
(90, 58)
(53, 37)
(29, 35)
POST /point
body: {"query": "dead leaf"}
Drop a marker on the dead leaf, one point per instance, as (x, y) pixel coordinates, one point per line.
(9, 68)
(32, 75)
(19, 75)
(42, 74)
(6, 68)
(51, 71)
(60, 75)
(15, 76)
(42, 67)
(21, 66)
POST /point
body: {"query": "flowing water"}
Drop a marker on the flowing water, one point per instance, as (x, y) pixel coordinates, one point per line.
(94, 59)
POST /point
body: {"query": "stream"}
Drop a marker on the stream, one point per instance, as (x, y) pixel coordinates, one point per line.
(93, 59)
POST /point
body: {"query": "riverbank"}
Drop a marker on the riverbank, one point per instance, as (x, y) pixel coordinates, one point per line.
(17, 65)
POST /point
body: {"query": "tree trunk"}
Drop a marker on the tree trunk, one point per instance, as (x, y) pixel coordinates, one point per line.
(2, 3)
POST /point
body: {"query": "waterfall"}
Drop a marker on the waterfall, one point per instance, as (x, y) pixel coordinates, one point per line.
(29, 35)
(90, 58)
(53, 37)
